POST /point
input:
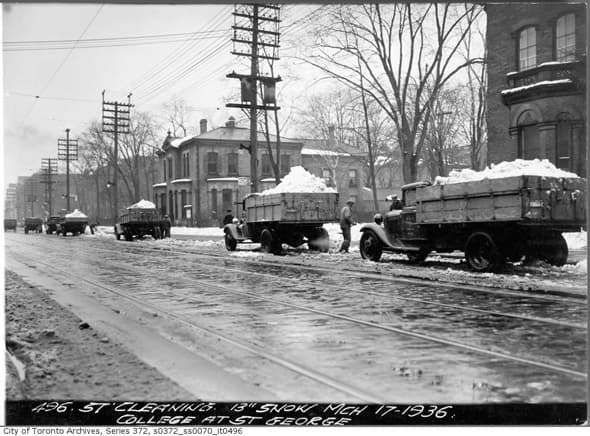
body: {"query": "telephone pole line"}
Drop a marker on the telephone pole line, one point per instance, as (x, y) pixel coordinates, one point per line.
(48, 169)
(67, 149)
(116, 119)
(255, 30)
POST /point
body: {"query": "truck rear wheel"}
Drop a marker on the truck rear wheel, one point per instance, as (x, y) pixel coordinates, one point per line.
(481, 252)
(270, 242)
(128, 236)
(230, 242)
(555, 251)
(370, 246)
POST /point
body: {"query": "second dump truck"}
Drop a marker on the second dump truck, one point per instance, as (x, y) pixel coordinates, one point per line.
(490, 220)
(293, 218)
(139, 220)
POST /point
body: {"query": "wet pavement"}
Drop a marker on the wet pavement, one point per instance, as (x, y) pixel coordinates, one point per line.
(390, 339)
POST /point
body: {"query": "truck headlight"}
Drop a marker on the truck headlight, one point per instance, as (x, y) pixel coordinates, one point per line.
(378, 218)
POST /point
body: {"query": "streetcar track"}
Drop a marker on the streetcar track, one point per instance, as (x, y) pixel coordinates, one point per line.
(416, 300)
(254, 349)
(422, 336)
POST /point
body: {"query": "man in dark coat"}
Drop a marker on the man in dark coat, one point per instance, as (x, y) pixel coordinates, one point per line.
(166, 224)
(346, 222)
(396, 203)
(228, 218)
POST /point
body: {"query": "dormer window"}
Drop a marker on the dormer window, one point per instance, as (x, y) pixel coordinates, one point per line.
(527, 48)
(565, 38)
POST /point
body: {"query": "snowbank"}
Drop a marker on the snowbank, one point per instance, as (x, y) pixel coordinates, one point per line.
(519, 167)
(576, 240)
(143, 204)
(299, 180)
(76, 214)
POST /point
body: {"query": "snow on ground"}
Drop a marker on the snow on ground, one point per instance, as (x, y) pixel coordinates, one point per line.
(518, 167)
(576, 240)
(299, 180)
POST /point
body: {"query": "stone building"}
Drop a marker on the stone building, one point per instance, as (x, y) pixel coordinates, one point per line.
(536, 83)
(202, 176)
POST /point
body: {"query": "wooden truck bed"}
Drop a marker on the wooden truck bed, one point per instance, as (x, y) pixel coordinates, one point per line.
(316, 207)
(522, 198)
(141, 216)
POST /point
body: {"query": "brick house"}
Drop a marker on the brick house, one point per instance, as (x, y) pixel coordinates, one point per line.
(536, 83)
(204, 175)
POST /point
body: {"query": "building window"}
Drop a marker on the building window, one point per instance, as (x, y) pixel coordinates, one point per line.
(528, 142)
(266, 166)
(565, 38)
(212, 163)
(352, 178)
(183, 202)
(170, 176)
(186, 165)
(164, 165)
(527, 48)
(226, 200)
(563, 148)
(214, 204)
(232, 164)
(285, 164)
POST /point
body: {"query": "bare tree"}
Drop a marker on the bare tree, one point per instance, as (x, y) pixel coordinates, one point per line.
(178, 114)
(407, 52)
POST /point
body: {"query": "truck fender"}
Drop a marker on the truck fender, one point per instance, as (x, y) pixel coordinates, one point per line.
(232, 229)
(379, 232)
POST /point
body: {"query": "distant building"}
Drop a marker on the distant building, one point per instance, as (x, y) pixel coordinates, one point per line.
(537, 83)
(202, 176)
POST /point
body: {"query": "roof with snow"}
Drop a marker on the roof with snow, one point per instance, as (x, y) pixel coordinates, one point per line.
(236, 134)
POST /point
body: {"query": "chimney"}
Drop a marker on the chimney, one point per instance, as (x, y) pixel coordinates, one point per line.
(203, 123)
(331, 136)
(231, 122)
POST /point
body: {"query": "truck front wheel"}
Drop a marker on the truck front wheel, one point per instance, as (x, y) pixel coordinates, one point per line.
(230, 242)
(370, 246)
(481, 252)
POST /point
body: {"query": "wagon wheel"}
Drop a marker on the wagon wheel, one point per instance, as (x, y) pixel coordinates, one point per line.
(481, 253)
(370, 246)
(230, 242)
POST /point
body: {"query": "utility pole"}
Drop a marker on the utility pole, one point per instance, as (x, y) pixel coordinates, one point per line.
(67, 149)
(251, 28)
(115, 120)
(48, 169)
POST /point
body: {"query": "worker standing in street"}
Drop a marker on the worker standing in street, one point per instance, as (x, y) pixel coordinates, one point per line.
(166, 225)
(346, 222)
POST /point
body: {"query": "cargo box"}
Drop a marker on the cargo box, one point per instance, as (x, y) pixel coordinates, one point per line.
(320, 207)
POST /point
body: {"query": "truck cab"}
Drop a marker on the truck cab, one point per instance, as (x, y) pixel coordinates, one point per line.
(396, 231)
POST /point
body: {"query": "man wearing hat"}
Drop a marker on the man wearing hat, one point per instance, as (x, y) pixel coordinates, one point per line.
(396, 203)
(346, 222)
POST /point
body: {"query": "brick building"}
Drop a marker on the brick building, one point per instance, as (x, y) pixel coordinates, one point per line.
(202, 176)
(536, 83)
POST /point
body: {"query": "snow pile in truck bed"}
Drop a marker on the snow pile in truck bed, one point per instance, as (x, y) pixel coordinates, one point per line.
(518, 167)
(299, 180)
(76, 214)
(143, 204)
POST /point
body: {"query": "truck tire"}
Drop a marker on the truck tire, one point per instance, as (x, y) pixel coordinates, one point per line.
(26, 231)
(118, 236)
(230, 242)
(128, 236)
(370, 246)
(555, 250)
(270, 242)
(481, 252)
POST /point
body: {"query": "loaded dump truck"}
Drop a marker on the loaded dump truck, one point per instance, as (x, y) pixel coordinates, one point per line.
(503, 216)
(74, 222)
(141, 219)
(292, 213)
(33, 224)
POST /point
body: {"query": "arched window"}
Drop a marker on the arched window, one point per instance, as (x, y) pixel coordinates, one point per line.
(565, 38)
(527, 48)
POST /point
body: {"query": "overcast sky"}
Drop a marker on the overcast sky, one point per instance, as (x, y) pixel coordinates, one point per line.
(51, 84)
